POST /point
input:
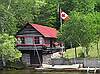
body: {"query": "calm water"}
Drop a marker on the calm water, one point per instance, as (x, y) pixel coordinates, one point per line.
(32, 72)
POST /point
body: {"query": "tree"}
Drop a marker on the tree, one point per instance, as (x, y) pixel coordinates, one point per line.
(23, 11)
(97, 6)
(7, 48)
(80, 30)
(7, 21)
(84, 6)
(48, 13)
(14, 13)
(97, 23)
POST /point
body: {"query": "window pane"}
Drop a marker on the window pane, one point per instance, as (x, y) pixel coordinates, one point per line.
(41, 40)
(28, 40)
(18, 41)
(36, 39)
(22, 40)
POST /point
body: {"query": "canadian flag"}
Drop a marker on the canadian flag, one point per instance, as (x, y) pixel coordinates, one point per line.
(64, 16)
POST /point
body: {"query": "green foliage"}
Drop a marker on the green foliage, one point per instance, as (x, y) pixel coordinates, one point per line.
(81, 55)
(79, 29)
(83, 6)
(48, 13)
(7, 48)
(15, 13)
(22, 10)
(16, 64)
(83, 27)
(97, 6)
(7, 21)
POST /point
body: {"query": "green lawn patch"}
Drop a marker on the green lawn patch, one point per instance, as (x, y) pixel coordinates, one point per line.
(70, 53)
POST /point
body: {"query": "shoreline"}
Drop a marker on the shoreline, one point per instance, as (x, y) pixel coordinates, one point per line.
(55, 68)
(66, 70)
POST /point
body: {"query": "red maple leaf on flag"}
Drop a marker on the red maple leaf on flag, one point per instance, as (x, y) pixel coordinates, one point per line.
(64, 16)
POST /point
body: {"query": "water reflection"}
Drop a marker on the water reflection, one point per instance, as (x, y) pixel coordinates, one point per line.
(32, 72)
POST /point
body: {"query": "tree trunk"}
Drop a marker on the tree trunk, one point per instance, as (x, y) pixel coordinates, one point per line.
(87, 50)
(3, 61)
(75, 53)
(98, 49)
(71, 45)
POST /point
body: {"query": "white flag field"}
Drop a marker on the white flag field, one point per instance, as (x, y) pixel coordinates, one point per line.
(64, 16)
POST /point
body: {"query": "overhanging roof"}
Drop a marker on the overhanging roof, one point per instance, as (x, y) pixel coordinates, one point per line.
(45, 31)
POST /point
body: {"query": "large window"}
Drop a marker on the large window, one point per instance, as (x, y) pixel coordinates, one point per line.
(29, 40)
(36, 40)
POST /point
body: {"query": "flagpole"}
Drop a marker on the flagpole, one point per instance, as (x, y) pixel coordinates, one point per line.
(60, 19)
(62, 16)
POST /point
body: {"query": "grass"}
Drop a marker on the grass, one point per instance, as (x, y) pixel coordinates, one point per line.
(70, 53)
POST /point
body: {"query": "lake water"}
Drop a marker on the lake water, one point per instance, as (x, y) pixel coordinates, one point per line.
(32, 72)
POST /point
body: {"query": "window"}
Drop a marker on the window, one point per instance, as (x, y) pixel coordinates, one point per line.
(18, 41)
(22, 40)
(47, 41)
(29, 40)
(41, 40)
(36, 39)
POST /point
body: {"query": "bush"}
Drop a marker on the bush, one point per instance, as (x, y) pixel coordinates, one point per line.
(81, 55)
(17, 64)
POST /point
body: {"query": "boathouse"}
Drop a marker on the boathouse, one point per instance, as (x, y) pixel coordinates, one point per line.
(37, 43)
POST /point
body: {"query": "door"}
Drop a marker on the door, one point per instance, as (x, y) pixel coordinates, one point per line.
(26, 58)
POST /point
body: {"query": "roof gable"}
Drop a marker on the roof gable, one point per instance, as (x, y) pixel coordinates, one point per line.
(45, 31)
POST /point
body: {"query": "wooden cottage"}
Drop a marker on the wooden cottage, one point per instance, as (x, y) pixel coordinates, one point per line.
(37, 41)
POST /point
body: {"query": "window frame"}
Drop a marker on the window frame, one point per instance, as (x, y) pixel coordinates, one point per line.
(36, 40)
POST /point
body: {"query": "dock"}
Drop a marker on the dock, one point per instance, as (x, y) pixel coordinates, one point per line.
(65, 68)
(93, 70)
